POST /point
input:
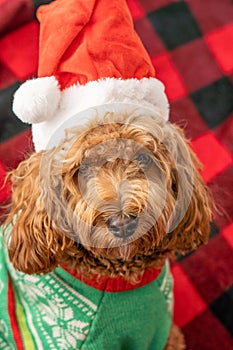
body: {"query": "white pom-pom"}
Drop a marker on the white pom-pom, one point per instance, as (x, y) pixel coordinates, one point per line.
(37, 100)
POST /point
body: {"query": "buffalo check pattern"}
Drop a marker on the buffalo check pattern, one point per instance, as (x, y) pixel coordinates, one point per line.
(191, 46)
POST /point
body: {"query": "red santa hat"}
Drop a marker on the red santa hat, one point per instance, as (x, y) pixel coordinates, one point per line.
(89, 56)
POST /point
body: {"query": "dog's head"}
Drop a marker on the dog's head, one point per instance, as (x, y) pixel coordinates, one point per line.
(114, 198)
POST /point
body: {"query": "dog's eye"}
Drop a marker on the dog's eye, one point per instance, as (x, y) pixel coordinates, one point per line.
(143, 160)
(83, 169)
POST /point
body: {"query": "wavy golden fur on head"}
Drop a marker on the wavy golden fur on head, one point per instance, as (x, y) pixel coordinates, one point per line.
(138, 167)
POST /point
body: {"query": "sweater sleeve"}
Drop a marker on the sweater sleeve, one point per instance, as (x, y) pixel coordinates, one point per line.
(6, 305)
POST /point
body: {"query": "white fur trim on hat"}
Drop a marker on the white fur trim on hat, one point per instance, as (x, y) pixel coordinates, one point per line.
(37, 100)
(147, 92)
(61, 106)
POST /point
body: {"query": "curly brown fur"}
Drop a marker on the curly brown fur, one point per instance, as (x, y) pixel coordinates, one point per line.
(62, 200)
(175, 340)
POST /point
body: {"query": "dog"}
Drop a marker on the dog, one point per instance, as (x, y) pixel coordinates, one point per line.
(105, 208)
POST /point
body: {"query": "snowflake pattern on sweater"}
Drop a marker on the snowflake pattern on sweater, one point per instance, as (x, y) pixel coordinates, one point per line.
(55, 305)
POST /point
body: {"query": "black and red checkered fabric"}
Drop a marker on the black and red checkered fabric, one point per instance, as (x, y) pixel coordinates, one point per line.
(191, 46)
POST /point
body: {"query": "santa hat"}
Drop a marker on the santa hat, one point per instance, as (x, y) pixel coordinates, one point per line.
(89, 56)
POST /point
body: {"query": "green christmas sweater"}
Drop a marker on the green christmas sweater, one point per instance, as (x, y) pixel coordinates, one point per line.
(58, 311)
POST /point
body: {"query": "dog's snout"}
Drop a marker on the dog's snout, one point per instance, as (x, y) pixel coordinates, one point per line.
(122, 226)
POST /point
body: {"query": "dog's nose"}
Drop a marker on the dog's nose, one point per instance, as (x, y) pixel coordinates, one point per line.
(122, 226)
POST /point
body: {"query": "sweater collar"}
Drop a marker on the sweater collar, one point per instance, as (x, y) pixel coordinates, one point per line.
(116, 284)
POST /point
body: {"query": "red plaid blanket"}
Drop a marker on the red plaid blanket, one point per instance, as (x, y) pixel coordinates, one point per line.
(190, 43)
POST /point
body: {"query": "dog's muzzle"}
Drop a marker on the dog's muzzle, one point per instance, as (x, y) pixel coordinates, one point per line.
(122, 226)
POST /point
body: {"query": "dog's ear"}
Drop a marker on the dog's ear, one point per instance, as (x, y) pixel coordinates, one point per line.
(35, 244)
(189, 225)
